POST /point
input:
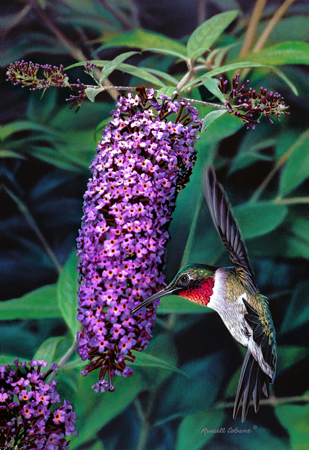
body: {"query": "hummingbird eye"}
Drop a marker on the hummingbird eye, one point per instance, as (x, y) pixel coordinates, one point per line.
(184, 279)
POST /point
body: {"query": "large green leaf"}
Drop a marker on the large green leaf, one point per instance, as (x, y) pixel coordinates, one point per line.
(296, 169)
(211, 117)
(212, 85)
(114, 64)
(38, 304)
(295, 419)
(256, 219)
(288, 356)
(297, 314)
(144, 39)
(142, 73)
(180, 396)
(144, 359)
(99, 409)
(293, 52)
(47, 349)
(67, 286)
(161, 364)
(196, 430)
(207, 33)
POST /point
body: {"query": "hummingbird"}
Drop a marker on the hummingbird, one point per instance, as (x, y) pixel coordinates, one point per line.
(231, 292)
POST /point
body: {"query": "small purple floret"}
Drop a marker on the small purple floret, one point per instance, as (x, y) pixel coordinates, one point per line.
(30, 416)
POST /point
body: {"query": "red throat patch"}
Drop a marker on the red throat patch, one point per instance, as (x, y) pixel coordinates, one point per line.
(200, 294)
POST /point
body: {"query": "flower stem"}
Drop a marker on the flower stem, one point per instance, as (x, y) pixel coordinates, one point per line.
(271, 25)
(291, 201)
(26, 213)
(272, 400)
(278, 165)
(63, 360)
(252, 27)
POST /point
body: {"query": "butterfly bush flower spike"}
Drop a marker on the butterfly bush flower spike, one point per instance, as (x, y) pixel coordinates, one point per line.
(31, 416)
(246, 104)
(145, 157)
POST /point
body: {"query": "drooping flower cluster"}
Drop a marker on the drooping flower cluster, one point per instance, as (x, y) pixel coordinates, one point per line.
(38, 76)
(26, 74)
(29, 416)
(146, 155)
(250, 104)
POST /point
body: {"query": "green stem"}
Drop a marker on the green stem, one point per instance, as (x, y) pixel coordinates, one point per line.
(63, 360)
(291, 201)
(26, 213)
(272, 400)
(278, 165)
(143, 436)
(189, 243)
(271, 25)
(252, 27)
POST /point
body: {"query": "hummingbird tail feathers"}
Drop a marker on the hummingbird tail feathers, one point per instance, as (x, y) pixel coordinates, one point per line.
(252, 382)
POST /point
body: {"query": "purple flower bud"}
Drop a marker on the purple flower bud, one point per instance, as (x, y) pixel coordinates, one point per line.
(30, 418)
(145, 157)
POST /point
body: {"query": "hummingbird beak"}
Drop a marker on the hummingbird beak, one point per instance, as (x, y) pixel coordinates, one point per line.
(163, 293)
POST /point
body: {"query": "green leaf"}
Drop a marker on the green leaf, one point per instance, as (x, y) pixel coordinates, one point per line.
(38, 304)
(288, 356)
(212, 85)
(23, 125)
(92, 92)
(196, 430)
(295, 419)
(224, 126)
(193, 394)
(293, 52)
(142, 73)
(234, 66)
(67, 287)
(296, 169)
(7, 359)
(161, 364)
(10, 154)
(162, 74)
(47, 350)
(166, 52)
(144, 359)
(211, 117)
(173, 304)
(257, 219)
(298, 242)
(112, 65)
(144, 39)
(207, 33)
(100, 409)
(139, 72)
(98, 445)
(297, 314)
(167, 90)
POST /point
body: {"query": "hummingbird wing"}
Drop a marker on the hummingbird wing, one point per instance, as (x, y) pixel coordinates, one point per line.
(253, 380)
(227, 228)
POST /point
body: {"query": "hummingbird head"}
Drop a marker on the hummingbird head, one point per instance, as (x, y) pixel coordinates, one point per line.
(194, 282)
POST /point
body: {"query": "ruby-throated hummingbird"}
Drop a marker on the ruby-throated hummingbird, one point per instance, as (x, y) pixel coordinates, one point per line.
(232, 292)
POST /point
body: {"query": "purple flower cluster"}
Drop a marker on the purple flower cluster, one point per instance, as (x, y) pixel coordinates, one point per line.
(250, 103)
(145, 156)
(29, 417)
(26, 74)
(38, 76)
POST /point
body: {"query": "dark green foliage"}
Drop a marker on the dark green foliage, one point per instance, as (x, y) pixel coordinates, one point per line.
(187, 379)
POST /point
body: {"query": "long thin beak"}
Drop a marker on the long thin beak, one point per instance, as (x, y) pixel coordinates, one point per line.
(163, 293)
